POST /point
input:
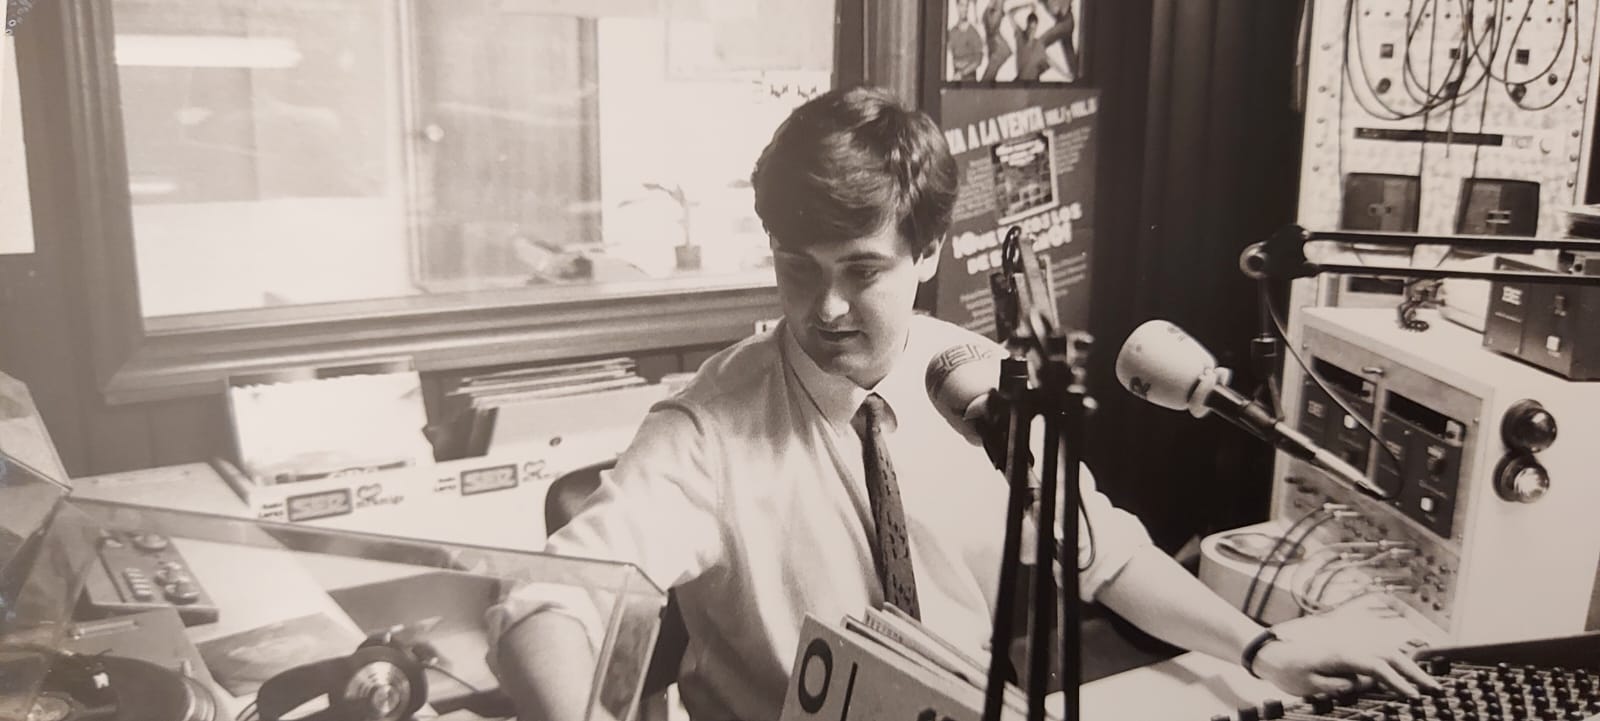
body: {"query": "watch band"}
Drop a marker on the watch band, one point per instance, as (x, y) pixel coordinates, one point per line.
(1248, 658)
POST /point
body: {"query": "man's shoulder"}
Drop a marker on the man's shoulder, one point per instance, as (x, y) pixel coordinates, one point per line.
(736, 374)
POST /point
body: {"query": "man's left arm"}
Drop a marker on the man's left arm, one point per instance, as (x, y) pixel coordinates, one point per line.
(1309, 655)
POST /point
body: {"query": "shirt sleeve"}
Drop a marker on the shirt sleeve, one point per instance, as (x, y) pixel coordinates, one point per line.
(657, 509)
(1108, 537)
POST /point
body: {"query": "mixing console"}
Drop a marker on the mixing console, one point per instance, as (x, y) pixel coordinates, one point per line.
(1544, 680)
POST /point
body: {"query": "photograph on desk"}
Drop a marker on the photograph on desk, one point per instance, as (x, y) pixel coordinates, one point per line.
(245, 660)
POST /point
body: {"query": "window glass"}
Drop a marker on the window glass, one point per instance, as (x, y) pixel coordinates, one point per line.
(317, 151)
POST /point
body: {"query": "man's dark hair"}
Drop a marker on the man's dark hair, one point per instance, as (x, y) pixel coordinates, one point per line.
(850, 161)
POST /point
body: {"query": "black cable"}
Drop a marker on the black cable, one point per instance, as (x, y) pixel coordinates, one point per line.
(1408, 77)
(1494, 28)
(1277, 322)
(1505, 67)
(1433, 97)
(1266, 595)
(1566, 26)
(1272, 557)
(1264, 353)
(1406, 310)
(447, 674)
(1566, 31)
(1352, 30)
(1472, 48)
(1572, 65)
(1387, 112)
(1483, 110)
(1422, 146)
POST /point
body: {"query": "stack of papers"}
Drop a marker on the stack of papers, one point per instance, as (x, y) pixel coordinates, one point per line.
(898, 632)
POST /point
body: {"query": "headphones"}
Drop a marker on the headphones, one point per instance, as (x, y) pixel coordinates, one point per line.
(383, 680)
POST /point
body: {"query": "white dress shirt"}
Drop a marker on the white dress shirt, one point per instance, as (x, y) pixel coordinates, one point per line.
(746, 493)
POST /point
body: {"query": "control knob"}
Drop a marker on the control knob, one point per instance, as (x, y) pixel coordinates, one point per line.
(1528, 426)
(1520, 479)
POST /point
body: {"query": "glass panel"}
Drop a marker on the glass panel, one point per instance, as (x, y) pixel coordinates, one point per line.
(22, 432)
(258, 599)
(317, 151)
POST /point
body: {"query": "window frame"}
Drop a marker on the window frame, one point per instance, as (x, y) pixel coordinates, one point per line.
(134, 360)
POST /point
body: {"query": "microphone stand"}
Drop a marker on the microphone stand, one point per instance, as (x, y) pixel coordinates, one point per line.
(1025, 320)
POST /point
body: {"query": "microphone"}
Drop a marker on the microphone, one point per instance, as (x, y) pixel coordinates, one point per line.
(1163, 365)
(960, 381)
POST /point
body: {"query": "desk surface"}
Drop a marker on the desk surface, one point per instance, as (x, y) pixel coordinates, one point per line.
(1196, 687)
(1190, 687)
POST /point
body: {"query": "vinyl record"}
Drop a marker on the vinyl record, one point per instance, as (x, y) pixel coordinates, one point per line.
(56, 706)
(147, 692)
(142, 691)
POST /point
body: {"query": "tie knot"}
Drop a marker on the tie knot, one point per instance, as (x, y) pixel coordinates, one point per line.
(874, 407)
(874, 413)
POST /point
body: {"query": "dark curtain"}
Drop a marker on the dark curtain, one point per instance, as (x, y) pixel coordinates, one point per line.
(1201, 158)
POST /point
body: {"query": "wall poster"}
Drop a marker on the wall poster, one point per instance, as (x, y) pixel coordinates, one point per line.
(990, 41)
(1026, 157)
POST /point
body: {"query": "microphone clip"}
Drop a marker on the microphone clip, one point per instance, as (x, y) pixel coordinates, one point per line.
(1024, 299)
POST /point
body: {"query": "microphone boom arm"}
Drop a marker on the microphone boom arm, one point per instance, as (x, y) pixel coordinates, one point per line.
(1254, 419)
(1282, 256)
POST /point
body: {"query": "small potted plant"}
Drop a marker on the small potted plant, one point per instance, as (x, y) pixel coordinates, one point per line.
(688, 254)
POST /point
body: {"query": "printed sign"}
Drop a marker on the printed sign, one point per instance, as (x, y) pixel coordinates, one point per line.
(1026, 158)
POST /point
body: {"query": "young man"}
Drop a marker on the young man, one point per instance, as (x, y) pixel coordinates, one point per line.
(999, 49)
(965, 43)
(1033, 56)
(806, 470)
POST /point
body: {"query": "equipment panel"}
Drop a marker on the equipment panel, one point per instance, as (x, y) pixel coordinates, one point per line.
(1491, 504)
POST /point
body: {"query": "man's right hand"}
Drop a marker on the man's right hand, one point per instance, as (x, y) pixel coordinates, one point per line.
(1347, 648)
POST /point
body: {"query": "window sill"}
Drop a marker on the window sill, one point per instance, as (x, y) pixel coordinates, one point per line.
(174, 361)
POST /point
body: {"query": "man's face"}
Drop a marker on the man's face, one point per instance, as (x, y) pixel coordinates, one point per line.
(849, 304)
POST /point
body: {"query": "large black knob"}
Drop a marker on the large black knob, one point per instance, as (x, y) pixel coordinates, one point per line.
(1528, 427)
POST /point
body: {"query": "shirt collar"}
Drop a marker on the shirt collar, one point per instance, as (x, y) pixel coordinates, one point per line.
(838, 398)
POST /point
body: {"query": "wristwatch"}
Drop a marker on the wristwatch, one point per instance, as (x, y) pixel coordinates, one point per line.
(1248, 658)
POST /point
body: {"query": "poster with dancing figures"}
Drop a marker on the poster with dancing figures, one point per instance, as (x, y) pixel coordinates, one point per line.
(1002, 41)
(1027, 159)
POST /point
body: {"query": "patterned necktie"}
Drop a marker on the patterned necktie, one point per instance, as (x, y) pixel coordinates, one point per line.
(893, 559)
